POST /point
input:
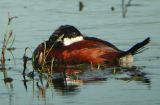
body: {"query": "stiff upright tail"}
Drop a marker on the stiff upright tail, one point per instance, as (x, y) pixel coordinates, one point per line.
(137, 47)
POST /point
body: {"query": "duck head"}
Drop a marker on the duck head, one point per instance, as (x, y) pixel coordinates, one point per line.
(65, 35)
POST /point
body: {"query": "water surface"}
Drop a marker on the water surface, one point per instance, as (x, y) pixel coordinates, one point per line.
(37, 19)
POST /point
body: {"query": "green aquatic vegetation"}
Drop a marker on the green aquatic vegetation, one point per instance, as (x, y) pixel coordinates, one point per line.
(7, 43)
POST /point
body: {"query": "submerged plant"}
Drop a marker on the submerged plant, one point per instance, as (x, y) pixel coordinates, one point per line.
(25, 59)
(81, 5)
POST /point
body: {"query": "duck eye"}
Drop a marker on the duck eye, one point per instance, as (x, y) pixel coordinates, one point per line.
(56, 35)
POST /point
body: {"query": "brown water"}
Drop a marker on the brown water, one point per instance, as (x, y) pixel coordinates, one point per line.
(37, 19)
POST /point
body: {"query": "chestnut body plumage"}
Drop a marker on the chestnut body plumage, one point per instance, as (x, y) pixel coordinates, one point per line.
(67, 45)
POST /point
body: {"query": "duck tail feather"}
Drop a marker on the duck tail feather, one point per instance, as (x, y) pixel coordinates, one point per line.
(138, 48)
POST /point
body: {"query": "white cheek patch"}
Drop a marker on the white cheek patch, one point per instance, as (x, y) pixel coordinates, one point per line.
(69, 41)
(40, 58)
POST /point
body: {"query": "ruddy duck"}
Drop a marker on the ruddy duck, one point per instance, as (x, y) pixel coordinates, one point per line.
(68, 46)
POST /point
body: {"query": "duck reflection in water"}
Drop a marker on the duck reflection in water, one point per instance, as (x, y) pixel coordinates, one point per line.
(70, 80)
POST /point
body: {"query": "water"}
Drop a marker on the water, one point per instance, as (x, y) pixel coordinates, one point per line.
(37, 19)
